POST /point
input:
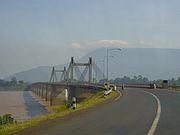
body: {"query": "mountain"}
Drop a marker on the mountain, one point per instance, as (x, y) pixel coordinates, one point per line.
(149, 62)
(34, 75)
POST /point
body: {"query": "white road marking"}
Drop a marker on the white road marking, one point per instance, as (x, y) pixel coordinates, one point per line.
(158, 114)
(118, 96)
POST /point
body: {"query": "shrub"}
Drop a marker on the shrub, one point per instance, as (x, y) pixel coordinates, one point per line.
(174, 85)
(6, 119)
(68, 103)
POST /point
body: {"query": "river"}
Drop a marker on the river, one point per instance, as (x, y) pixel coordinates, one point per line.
(21, 104)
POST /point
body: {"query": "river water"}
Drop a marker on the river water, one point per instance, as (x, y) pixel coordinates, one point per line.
(21, 104)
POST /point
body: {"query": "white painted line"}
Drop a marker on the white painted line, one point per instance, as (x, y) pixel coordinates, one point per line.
(158, 114)
(118, 96)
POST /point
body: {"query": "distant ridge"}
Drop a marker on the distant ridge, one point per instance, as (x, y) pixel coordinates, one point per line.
(149, 62)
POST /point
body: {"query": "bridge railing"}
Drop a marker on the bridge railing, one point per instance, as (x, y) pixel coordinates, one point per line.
(150, 86)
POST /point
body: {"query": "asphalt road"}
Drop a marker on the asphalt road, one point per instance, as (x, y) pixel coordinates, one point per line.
(132, 114)
(170, 116)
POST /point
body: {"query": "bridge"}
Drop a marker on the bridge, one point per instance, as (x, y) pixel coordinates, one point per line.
(69, 82)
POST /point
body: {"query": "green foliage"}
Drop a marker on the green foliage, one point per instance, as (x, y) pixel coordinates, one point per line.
(13, 81)
(13, 85)
(59, 109)
(173, 82)
(7, 119)
(68, 103)
(128, 80)
(174, 86)
(1, 120)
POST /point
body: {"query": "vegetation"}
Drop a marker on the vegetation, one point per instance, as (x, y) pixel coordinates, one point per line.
(6, 119)
(59, 111)
(13, 84)
(4, 83)
(128, 80)
(175, 83)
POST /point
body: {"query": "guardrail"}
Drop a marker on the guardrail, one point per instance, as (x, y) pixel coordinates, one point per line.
(148, 86)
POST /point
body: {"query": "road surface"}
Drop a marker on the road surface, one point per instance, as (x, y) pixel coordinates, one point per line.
(133, 114)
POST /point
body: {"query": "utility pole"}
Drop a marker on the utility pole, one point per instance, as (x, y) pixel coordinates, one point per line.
(103, 68)
(90, 70)
(72, 66)
(107, 63)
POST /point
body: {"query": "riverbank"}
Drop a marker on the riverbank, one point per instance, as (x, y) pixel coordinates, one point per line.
(20, 104)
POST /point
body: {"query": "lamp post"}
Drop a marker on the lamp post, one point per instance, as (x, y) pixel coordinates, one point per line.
(97, 67)
(108, 58)
(103, 69)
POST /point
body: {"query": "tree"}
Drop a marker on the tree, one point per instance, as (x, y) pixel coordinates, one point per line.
(117, 80)
(14, 81)
(174, 85)
(126, 79)
(1, 120)
(135, 78)
(145, 80)
(139, 77)
(7, 119)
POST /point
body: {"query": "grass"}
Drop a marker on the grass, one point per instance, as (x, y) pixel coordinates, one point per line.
(176, 89)
(58, 111)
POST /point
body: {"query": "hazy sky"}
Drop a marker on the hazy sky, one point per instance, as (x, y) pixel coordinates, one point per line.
(48, 32)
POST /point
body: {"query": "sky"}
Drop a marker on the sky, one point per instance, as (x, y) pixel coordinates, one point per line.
(48, 32)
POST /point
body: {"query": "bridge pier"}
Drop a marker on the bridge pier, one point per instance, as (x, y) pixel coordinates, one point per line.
(46, 93)
(41, 91)
(53, 87)
(58, 93)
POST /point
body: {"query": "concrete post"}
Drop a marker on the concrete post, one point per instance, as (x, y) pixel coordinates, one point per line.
(123, 85)
(90, 70)
(46, 98)
(64, 74)
(41, 91)
(74, 102)
(66, 95)
(72, 66)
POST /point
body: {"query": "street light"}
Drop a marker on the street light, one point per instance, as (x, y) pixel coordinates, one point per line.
(97, 66)
(108, 57)
(103, 61)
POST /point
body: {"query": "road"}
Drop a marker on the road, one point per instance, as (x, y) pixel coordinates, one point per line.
(169, 120)
(132, 114)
